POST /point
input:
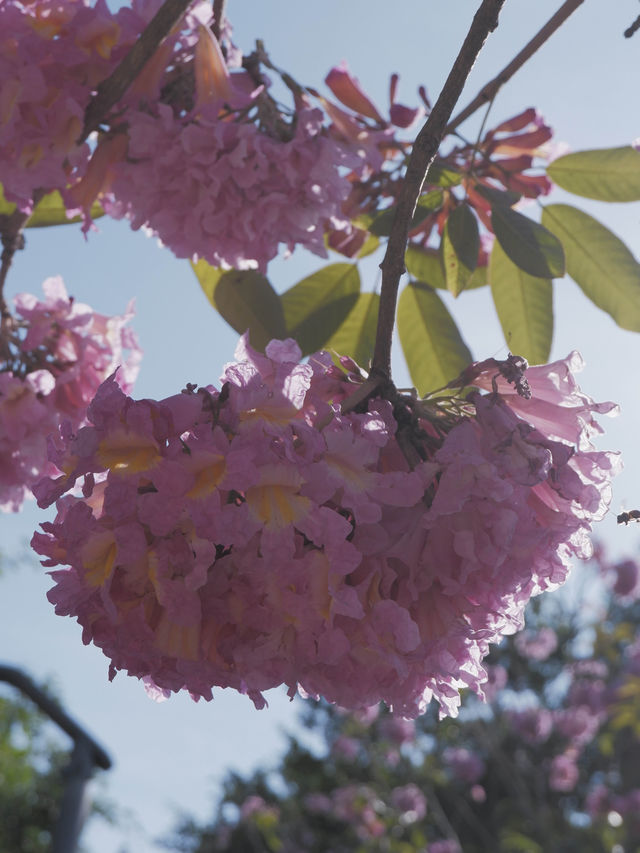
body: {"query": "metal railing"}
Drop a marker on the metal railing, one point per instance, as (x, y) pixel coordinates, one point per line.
(87, 754)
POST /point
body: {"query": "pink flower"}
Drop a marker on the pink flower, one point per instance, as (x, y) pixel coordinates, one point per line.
(598, 801)
(53, 55)
(50, 60)
(497, 677)
(318, 803)
(60, 351)
(397, 730)
(563, 774)
(226, 191)
(478, 794)
(578, 724)
(347, 89)
(260, 535)
(255, 805)
(465, 765)
(444, 846)
(538, 645)
(533, 725)
(409, 800)
(346, 747)
(626, 579)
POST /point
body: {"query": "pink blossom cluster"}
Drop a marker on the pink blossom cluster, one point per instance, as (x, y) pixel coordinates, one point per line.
(219, 172)
(53, 54)
(464, 764)
(537, 645)
(55, 354)
(623, 578)
(200, 156)
(228, 192)
(266, 534)
(361, 807)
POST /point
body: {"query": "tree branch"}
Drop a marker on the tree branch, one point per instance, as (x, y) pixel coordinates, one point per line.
(116, 84)
(219, 10)
(488, 92)
(11, 228)
(424, 150)
(635, 26)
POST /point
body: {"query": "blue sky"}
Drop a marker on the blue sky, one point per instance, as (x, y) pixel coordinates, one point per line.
(173, 755)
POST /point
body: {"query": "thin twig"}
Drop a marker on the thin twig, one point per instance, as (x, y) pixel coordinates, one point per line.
(489, 91)
(219, 10)
(635, 26)
(11, 227)
(116, 84)
(424, 150)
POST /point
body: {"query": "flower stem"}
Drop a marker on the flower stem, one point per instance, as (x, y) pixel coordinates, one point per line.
(424, 150)
(12, 239)
(219, 7)
(116, 84)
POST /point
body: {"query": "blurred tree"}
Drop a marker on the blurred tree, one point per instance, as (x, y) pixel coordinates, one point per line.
(550, 763)
(32, 762)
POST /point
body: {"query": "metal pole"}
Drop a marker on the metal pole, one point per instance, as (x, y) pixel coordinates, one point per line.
(87, 754)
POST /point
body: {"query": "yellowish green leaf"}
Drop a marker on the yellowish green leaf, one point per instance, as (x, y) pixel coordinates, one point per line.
(524, 305)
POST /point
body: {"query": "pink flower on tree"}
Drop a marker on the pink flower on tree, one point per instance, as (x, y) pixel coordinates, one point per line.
(217, 172)
(52, 54)
(55, 353)
(563, 773)
(409, 800)
(228, 192)
(465, 765)
(265, 534)
(196, 151)
(538, 645)
(444, 846)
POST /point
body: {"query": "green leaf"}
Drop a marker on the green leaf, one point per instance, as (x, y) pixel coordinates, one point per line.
(370, 245)
(504, 197)
(6, 207)
(425, 265)
(430, 201)
(524, 305)
(516, 842)
(443, 175)
(246, 300)
(599, 262)
(606, 174)
(464, 235)
(480, 278)
(380, 223)
(529, 245)
(460, 246)
(433, 348)
(315, 307)
(208, 277)
(356, 337)
(50, 210)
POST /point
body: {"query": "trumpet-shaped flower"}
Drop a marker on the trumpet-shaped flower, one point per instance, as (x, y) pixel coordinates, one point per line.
(57, 355)
(264, 534)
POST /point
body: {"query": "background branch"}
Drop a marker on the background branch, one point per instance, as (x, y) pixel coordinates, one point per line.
(489, 91)
(635, 26)
(116, 84)
(219, 9)
(424, 150)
